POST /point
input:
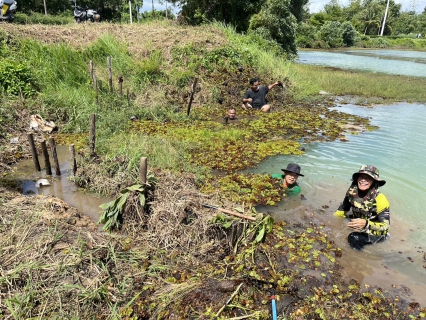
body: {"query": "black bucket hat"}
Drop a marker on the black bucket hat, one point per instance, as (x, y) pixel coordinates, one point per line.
(372, 171)
(292, 167)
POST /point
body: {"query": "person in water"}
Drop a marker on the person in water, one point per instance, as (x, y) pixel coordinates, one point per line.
(289, 178)
(367, 208)
(255, 96)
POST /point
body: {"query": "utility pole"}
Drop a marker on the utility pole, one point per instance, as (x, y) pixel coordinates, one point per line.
(384, 19)
(130, 9)
(153, 9)
(166, 12)
(45, 9)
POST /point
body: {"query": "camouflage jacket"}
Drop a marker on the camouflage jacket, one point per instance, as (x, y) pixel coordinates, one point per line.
(373, 207)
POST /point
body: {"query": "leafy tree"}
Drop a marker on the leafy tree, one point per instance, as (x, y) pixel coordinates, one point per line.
(236, 13)
(331, 33)
(318, 19)
(349, 34)
(371, 18)
(297, 8)
(276, 22)
(305, 35)
(334, 11)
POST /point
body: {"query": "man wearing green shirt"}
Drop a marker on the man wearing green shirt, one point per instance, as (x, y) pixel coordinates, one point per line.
(289, 179)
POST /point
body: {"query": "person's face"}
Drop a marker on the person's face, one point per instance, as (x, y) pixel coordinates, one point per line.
(231, 114)
(364, 181)
(254, 86)
(290, 177)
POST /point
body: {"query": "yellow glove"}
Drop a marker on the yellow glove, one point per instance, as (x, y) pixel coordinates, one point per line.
(340, 213)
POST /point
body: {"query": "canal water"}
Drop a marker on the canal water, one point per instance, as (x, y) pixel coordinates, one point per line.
(397, 150)
(394, 62)
(399, 264)
(59, 186)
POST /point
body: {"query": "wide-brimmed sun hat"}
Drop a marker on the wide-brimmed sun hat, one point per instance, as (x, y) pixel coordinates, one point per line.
(372, 171)
(292, 167)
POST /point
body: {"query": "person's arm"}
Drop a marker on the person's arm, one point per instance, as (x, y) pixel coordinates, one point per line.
(277, 176)
(343, 209)
(246, 99)
(272, 85)
(379, 224)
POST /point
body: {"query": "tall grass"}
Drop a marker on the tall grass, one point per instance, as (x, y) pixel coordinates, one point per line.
(311, 80)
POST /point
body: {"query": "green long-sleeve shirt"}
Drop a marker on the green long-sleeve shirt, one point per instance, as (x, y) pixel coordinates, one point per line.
(292, 189)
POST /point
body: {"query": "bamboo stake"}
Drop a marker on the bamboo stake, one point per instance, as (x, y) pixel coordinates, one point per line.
(95, 85)
(194, 85)
(120, 85)
(54, 156)
(46, 158)
(143, 169)
(91, 69)
(92, 134)
(110, 75)
(33, 151)
(73, 160)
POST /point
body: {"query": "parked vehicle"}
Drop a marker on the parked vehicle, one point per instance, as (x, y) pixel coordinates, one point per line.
(8, 9)
(81, 15)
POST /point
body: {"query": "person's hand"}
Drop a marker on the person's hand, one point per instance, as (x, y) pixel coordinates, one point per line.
(249, 100)
(357, 224)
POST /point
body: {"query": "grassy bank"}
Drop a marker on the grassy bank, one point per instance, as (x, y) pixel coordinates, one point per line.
(369, 88)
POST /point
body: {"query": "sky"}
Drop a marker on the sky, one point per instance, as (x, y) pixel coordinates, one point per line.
(314, 5)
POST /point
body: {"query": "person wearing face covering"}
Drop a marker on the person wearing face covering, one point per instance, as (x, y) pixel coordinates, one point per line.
(289, 179)
(366, 207)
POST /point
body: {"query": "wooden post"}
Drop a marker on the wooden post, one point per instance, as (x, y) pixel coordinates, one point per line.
(110, 75)
(33, 151)
(92, 134)
(143, 169)
(95, 85)
(120, 85)
(194, 85)
(46, 158)
(128, 96)
(54, 156)
(73, 160)
(91, 69)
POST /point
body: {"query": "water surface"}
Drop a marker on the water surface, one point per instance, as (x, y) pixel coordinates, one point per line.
(397, 150)
(394, 62)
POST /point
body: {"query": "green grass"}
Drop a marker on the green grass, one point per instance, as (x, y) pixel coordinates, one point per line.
(310, 80)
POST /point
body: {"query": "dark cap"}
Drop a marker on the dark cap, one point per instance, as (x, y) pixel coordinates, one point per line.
(253, 80)
(292, 167)
(370, 170)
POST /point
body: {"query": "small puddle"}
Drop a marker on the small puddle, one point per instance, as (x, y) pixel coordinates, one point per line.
(60, 186)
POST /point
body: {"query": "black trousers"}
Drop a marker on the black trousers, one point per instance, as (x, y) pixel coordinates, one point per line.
(358, 240)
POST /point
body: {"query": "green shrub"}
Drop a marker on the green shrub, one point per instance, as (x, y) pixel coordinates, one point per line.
(380, 43)
(17, 79)
(332, 33)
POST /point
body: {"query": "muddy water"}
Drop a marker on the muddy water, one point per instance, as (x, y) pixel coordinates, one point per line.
(60, 186)
(397, 150)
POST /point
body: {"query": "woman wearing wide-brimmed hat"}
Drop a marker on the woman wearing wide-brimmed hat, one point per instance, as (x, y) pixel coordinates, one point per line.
(367, 208)
(289, 178)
